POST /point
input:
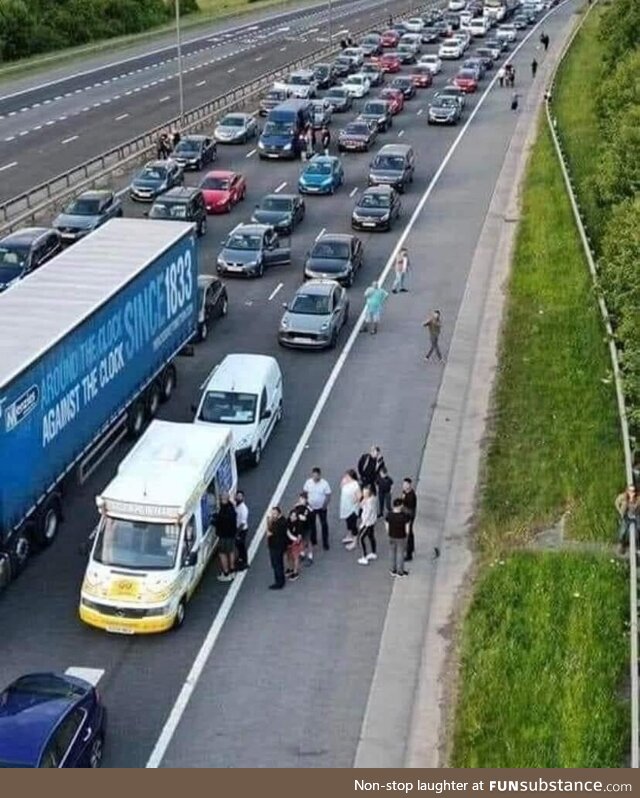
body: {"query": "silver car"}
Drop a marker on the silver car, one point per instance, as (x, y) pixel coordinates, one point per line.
(236, 129)
(315, 317)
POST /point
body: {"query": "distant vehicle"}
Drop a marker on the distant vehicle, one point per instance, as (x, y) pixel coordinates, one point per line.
(323, 174)
(373, 73)
(213, 302)
(421, 76)
(467, 80)
(407, 53)
(302, 84)
(274, 97)
(315, 316)
(390, 62)
(324, 75)
(454, 19)
(194, 152)
(181, 204)
(394, 165)
(283, 212)
(155, 178)
(335, 256)
(450, 49)
(280, 137)
(322, 113)
(520, 22)
(340, 98)
(395, 98)
(222, 190)
(498, 46)
(464, 38)
(357, 136)
(476, 65)
(444, 111)
(479, 26)
(432, 61)
(444, 28)
(24, 251)
(250, 249)
(356, 54)
(371, 44)
(507, 31)
(343, 66)
(378, 111)
(236, 128)
(51, 721)
(390, 38)
(455, 92)
(414, 40)
(86, 212)
(376, 209)
(499, 9)
(430, 35)
(405, 84)
(357, 85)
(414, 24)
(457, 5)
(486, 56)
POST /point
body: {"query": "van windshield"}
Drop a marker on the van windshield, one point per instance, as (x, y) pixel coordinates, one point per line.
(273, 128)
(137, 544)
(223, 407)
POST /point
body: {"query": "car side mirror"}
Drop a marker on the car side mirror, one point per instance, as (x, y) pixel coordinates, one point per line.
(146, 213)
(265, 415)
(285, 305)
(190, 559)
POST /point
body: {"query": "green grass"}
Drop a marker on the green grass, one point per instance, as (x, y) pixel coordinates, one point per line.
(544, 654)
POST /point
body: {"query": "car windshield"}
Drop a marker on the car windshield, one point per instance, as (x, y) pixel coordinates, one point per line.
(337, 93)
(10, 258)
(232, 121)
(393, 162)
(374, 108)
(375, 201)
(83, 207)
(275, 204)
(398, 82)
(466, 74)
(153, 173)
(299, 80)
(356, 130)
(224, 407)
(321, 69)
(136, 544)
(8, 272)
(244, 241)
(445, 102)
(188, 145)
(278, 128)
(276, 95)
(168, 210)
(310, 304)
(354, 79)
(215, 183)
(332, 250)
(318, 169)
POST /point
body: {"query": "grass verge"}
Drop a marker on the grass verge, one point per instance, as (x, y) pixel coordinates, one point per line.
(544, 645)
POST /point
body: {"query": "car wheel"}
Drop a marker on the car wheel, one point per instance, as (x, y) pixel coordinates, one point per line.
(48, 523)
(198, 164)
(19, 550)
(203, 226)
(96, 751)
(261, 269)
(224, 306)
(136, 420)
(243, 196)
(257, 455)
(180, 614)
(332, 190)
(279, 413)
(203, 331)
(334, 339)
(168, 383)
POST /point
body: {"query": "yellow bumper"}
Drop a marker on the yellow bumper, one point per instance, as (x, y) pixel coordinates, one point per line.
(126, 626)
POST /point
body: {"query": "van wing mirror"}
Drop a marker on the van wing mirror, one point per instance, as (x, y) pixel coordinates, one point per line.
(190, 559)
(265, 414)
(194, 407)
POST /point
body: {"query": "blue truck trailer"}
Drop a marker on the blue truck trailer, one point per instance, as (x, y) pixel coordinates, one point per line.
(87, 350)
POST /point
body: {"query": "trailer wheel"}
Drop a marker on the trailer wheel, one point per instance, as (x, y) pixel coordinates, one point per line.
(48, 522)
(19, 550)
(136, 419)
(169, 381)
(154, 396)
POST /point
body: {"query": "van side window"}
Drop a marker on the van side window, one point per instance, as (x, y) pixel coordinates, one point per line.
(263, 401)
(210, 505)
(190, 534)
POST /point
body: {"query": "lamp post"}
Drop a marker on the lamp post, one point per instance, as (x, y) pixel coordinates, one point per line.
(179, 47)
(330, 22)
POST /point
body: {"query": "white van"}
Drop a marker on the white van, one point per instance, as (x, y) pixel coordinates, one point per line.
(479, 26)
(243, 393)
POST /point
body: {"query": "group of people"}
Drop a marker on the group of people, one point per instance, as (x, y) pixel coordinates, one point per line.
(311, 142)
(507, 76)
(167, 142)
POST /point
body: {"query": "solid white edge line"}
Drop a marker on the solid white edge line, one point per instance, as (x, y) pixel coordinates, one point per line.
(275, 291)
(280, 187)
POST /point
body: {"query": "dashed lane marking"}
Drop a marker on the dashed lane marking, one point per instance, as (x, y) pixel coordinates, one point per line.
(8, 166)
(69, 140)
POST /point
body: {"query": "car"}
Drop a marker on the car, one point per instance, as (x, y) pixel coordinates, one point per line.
(24, 251)
(273, 98)
(395, 98)
(213, 302)
(324, 75)
(236, 128)
(413, 39)
(486, 57)
(390, 38)
(479, 27)
(194, 152)
(323, 174)
(414, 24)
(432, 61)
(394, 165)
(455, 92)
(85, 213)
(444, 111)
(421, 76)
(302, 84)
(464, 39)
(335, 256)
(507, 31)
(467, 80)
(498, 45)
(376, 209)
(407, 53)
(181, 204)
(357, 85)
(475, 65)
(222, 189)
(430, 35)
(378, 111)
(250, 249)
(374, 73)
(444, 28)
(154, 178)
(450, 49)
(48, 720)
(405, 84)
(356, 54)
(454, 19)
(520, 22)
(371, 44)
(390, 62)
(343, 66)
(322, 113)
(282, 211)
(357, 136)
(457, 5)
(315, 316)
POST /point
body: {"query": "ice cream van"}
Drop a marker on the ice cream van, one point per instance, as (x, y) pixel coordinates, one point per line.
(156, 532)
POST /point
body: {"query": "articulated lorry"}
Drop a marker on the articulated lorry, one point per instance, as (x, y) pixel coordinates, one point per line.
(87, 350)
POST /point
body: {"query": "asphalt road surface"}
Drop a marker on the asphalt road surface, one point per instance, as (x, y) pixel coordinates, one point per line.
(49, 128)
(288, 680)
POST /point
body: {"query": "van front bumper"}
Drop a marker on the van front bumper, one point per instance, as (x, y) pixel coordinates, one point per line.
(126, 620)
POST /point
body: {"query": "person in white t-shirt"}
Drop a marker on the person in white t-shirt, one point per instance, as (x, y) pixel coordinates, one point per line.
(350, 496)
(367, 525)
(318, 495)
(242, 526)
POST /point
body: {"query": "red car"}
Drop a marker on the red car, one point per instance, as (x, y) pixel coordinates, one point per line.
(222, 190)
(466, 81)
(395, 98)
(421, 77)
(390, 62)
(390, 38)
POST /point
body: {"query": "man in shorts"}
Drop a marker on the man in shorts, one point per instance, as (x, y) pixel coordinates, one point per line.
(226, 530)
(374, 299)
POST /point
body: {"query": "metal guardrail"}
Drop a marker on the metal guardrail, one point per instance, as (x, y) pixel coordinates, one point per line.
(25, 207)
(622, 410)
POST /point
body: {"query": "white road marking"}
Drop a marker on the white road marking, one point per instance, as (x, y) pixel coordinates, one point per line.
(420, 112)
(91, 675)
(354, 192)
(201, 83)
(233, 69)
(401, 133)
(69, 140)
(321, 233)
(275, 291)
(37, 127)
(282, 49)
(250, 153)
(280, 187)
(23, 132)
(50, 122)
(121, 117)
(8, 166)
(10, 138)
(164, 99)
(259, 58)
(12, 113)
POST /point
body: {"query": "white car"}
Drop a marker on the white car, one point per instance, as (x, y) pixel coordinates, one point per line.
(302, 84)
(415, 39)
(450, 48)
(479, 26)
(507, 31)
(457, 5)
(357, 85)
(464, 38)
(432, 61)
(356, 54)
(414, 25)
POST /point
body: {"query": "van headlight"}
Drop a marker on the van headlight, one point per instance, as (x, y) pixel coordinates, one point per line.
(287, 147)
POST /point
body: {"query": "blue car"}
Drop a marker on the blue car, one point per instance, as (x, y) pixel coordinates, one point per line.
(323, 174)
(51, 721)
(154, 179)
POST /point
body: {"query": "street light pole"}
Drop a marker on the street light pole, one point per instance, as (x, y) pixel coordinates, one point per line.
(330, 22)
(179, 46)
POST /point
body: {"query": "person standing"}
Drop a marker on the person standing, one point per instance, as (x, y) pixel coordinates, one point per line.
(512, 75)
(401, 269)
(303, 520)
(350, 497)
(294, 546)
(396, 523)
(226, 528)
(319, 495)
(325, 139)
(277, 540)
(627, 506)
(369, 466)
(534, 68)
(434, 325)
(367, 526)
(302, 145)
(502, 73)
(242, 529)
(514, 101)
(374, 298)
(410, 505)
(175, 138)
(384, 483)
(308, 138)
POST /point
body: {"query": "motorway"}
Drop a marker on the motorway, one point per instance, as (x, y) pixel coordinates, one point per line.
(288, 681)
(48, 128)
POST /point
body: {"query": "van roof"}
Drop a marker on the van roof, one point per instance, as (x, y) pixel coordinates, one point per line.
(242, 373)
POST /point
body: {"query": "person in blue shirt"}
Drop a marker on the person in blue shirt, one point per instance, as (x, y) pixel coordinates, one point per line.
(374, 298)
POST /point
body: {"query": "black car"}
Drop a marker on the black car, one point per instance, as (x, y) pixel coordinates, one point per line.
(486, 56)
(324, 74)
(194, 152)
(343, 66)
(213, 302)
(357, 136)
(282, 211)
(335, 256)
(377, 209)
(406, 54)
(26, 250)
(520, 22)
(182, 204)
(444, 28)
(405, 84)
(374, 74)
(444, 111)
(340, 99)
(430, 35)
(378, 111)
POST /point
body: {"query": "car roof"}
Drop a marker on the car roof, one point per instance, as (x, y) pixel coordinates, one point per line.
(250, 228)
(340, 238)
(180, 193)
(242, 373)
(396, 149)
(377, 190)
(30, 709)
(324, 159)
(194, 137)
(220, 173)
(236, 113)
(157, 164)
(281, 196)
(27, 235)
(318, 287)
(95, 194)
